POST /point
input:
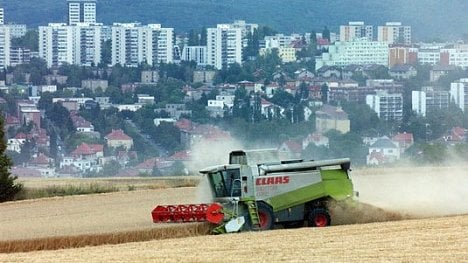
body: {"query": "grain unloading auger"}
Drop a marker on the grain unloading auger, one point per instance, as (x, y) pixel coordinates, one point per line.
(257, 191)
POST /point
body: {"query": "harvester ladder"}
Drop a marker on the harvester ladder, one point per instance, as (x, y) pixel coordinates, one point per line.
(253, 213)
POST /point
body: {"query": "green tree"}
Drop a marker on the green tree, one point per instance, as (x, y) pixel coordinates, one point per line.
(8, 185)
(326, 33)
(203, 37)
(106, 53)
(30, 41)
(193, 39)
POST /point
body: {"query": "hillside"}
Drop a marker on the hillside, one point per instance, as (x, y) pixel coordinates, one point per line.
(285, 16)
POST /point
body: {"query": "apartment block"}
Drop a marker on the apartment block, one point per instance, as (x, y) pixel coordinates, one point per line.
(79, 44)
(428, 100)
(133, 43)
(5, 46)
(81, 11)
(388, 106)
(457, 56)
(195, 53)
(459, 93)
(224, 45)
(402, 55)
(394, 33)
(356, 30)
(359, 51)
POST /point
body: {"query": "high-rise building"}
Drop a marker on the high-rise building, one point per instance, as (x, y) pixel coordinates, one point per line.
(388, 106)
(195, 53)
(79, 44)
(428, 100)
(2, 16)
(224, 45)
(81, 11)
(359, 51)
(356, 30)
(459, 93)
(133, 43)
(5, 46)
(394, 33)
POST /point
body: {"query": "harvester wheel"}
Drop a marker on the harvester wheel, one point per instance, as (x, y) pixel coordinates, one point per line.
(266, 216)
(319, 217)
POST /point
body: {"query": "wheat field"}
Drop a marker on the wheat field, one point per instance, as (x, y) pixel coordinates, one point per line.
(86, 214)
(424, 240)
(424, 202)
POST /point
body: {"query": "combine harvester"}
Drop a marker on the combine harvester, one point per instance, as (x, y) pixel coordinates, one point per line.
(257, 191)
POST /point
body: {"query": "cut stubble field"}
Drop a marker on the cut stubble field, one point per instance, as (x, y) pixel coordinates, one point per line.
(424, 240)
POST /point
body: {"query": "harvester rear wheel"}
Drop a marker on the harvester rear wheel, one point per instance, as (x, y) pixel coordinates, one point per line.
(319, 217)
(266, 216)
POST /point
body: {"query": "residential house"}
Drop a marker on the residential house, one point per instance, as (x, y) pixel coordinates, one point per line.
(80, 124)
(316, 138)
(329, 72)
(292, 148)
(149, 76)
(404, 71)
(455, 135)
(441, 70)
(117, 138)
(15, 144)
(149, 165)
(332, 118)
(145, 99)
(43, 164)
(85, 158)
(403, 141)
(383, 151)
(93, 84)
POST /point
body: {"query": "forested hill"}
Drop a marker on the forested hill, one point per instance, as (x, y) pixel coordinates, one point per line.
(429, 18)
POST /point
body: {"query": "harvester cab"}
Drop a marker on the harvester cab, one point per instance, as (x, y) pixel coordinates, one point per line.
(257, 191)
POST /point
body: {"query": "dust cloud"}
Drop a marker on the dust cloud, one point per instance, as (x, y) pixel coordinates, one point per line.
(415, 191)
(206, 153)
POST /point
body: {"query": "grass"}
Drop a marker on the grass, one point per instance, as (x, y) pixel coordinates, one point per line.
(65, 190)
(42, 188)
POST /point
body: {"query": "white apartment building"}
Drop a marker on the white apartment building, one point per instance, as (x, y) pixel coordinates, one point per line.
(279, 40)
(245, 27)
(2, 16)
(394, 33)
(356, 30)
(459, 93)
(5, 46)
(359, 51)
(80, 11)
(457, 56)
(195, 53)
(428, 100)
(224, 45)
(17, 30)
(79, 44)
(387, 106)
(133, 43)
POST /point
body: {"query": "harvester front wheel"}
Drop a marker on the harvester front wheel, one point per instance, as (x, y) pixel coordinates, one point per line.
(266, 216)
(319, 217)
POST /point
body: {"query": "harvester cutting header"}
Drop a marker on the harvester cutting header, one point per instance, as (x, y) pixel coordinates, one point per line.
(257, 190)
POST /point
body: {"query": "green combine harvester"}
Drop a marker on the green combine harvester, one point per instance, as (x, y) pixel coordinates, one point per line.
(257, 191)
